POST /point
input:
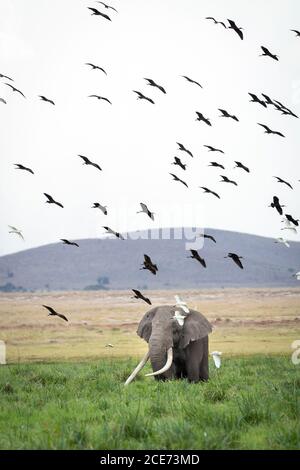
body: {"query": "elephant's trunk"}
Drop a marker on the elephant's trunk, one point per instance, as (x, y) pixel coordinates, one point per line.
(166, 366)
(138, 368)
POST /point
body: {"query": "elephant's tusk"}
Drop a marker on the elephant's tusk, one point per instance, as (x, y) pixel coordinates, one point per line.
(138, 368)
(166, 366)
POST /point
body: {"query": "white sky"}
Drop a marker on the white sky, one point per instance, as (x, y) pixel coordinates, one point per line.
(44, 45)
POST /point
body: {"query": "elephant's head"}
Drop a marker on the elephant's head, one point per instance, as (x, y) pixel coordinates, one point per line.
(166, 336)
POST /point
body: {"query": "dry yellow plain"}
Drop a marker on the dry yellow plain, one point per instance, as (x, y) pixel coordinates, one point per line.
(246, 321)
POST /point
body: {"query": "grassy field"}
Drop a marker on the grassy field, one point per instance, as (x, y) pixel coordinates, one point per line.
(250, 403)
(63, 388)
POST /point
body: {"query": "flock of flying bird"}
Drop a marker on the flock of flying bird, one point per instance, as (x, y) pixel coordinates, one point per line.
(265, 101)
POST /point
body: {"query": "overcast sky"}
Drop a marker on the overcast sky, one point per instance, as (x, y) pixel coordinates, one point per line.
(44, 45)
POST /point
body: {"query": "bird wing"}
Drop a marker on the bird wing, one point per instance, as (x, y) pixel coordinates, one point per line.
(3, 101)
(137, 292)
(51, 310)
(13, 228)
(50, 198)
(237, 260)
(94, 10)
(87, 161)
(147, 259)
(144, 207)
(265, 50)
(264, 126)
(62, 316)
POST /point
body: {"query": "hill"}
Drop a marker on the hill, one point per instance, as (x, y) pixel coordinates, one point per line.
(112, 263)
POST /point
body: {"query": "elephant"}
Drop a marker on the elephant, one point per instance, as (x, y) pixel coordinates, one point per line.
(177, 348)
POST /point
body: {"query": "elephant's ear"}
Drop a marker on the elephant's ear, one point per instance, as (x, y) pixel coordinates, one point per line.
(145, 326)
(196, 326)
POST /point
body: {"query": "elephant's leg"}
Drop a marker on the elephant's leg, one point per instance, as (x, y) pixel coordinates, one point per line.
(194, 354)
(204, 372)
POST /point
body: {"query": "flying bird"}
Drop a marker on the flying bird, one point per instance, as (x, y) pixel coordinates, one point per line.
(292, 220)
(280, 180)
(96, 67)
(175, 178)
(86, 161)
(2, 100)
(236, 258)
(43, 98)
(5, 76)
(213, 149)
(15, 89)
(143, 97)
(54, 313)
(200, 117)
(276, 205)
(215, 21)
(100, 98)
(117, 234)
(52, 201)
(195, 255)
(216, 165)
(267, 53)
(16, 231)
(255, 99)
(97, 205)
(269, 131)
(235, 28)
(146, 211)
(67, 242)
(192, 81)
(139, 295)
(227, 180)
(98, 13)
(243, 167)
(108, 6)
(208, 191)
(227, 115)
(282, 241)
(22, 167)
(152, 83)
(268, 99)
(209, 237)
(293, 30)
(183, 149)
(149, 265)
(178, 162)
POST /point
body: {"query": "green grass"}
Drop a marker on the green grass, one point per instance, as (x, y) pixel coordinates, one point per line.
(250, 403)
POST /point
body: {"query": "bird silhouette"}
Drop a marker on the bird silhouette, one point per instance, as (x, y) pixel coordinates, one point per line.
(43, 98)
(235, 28)
(269, 131)
(209, 237)
(5, 76)
(226, 180)
(98, 13)
(67, 242)
(293, 30)
(183, 149)
(209, 191)
(16, 231)
(22, 167)
(196, 256)
(267, 53)
(143, 97)
(96, 67)
(175, 178)
(100, 98)
(227, 115)
(236, 258)
(117, 234)
(15, 89)
(255, 99)
(216, 165)
(54, 313)
(213, 149)
(178, 162)
(149, 265)
(139, 295)
(200, 117)
(108, 6)
(192, 81)
(52, 201)
(97, 205)
(146, 211)
(276, 205)
(215, 21)
(86, 161)
(152, 83)
(243, 167)
(280, 180)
